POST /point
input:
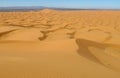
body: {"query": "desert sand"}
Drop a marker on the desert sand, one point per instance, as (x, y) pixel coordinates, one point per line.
(60, 44)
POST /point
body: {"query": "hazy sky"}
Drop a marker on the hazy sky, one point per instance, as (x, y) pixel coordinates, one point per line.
(63, 3)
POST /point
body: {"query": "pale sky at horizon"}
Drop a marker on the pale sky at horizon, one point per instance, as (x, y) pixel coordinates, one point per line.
(102, 4)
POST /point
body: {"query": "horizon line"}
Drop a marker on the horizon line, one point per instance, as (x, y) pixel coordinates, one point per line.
(57, 7)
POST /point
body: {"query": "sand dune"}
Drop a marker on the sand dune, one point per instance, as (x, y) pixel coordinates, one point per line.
(62, 58)
(60, 44)
(104, 54)
(100, 26)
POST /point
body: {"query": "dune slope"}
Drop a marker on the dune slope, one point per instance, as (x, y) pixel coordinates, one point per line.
(60, 44)
(64, 59)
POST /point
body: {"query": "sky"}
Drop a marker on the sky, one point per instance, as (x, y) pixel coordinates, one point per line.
(99, 4)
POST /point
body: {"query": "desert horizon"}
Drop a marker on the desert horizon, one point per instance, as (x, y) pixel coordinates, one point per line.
(60, 44)
(38, 8)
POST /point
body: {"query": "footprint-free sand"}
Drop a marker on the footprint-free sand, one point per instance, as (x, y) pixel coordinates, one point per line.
(60, 44)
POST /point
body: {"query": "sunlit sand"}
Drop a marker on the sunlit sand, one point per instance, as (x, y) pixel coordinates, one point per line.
(60, 44)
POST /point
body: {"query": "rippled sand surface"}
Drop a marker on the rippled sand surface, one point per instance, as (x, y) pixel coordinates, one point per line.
(60, 44)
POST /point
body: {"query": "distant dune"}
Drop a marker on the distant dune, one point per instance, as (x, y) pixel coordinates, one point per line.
(60, 44)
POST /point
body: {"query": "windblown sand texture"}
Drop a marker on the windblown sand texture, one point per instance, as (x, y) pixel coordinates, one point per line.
(60, 44)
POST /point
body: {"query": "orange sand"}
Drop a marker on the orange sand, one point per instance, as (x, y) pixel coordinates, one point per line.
(60, 44)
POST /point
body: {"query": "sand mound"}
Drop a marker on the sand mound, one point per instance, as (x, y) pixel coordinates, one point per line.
(46, 11)
(43, 60)
(23, 35)
(8, 28)
(94, 35)
(105, 54)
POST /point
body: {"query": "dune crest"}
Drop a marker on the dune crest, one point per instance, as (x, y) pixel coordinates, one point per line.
(60, 44)
(46, 11)
(100, 53)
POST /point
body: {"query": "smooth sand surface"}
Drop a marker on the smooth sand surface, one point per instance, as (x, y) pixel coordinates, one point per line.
(60, 44)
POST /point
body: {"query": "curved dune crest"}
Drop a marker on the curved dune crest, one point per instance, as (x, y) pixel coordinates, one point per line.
(100, 26)
(100, 53)
(23, 35)
(60, 44)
